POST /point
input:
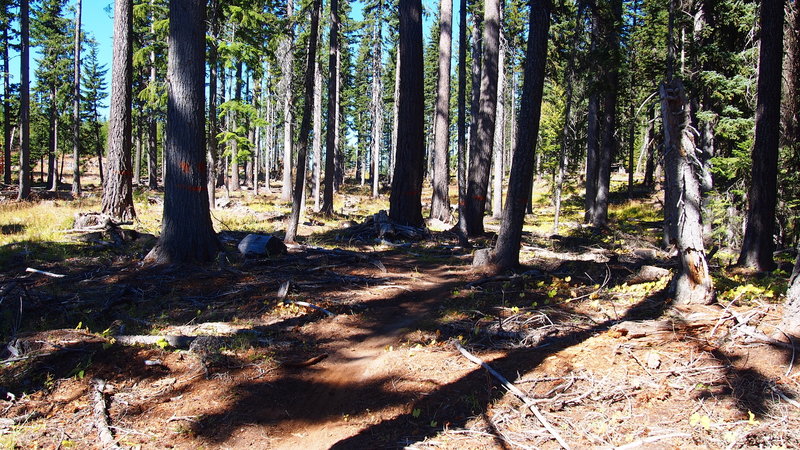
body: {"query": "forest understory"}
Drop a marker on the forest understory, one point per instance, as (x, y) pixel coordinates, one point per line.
(350, 339)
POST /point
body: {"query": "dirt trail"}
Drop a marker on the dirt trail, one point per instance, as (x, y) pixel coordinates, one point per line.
(357, 384)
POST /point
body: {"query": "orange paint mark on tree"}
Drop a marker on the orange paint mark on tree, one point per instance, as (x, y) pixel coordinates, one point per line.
(190, 188)
(185, 167)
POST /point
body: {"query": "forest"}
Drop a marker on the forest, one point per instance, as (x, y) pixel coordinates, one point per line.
(400, 224)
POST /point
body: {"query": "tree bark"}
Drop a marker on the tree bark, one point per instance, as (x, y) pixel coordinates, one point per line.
(499, 138)
(76, 105)
(118, 189)
(332, 132)
(405, 204)
(317, 142)
(24, 103)
(187, 235)
(213, 122)
(693, 284)
(440, 203)
(377, 102)
(462, 119)
(506, 251)
(52, 167)
(759, 244)
(305, 127)
(608, 143)
(791, 309)
(395, 114)
(288, 119)
(481, 153)
(6, 108)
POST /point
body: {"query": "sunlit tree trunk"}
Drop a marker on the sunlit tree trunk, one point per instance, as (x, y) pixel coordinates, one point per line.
(288, 119)
(118, 189)
(498, 167)
(317, 142)
(6, 108)
(76, 105)
(305, 126)
(506, 251)
(187, 235)
(24, 103)
(480, 154)
(693, 284)
(332, 132)
(462, 119)
(440, 203)
(377, 102)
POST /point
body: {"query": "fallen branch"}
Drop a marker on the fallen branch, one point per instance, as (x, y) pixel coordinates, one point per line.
(42, 272)
(306, 363)
(101, 419)
(514, 390)
(650, 440)
(310, 305)
(177, 341)
(9, 422)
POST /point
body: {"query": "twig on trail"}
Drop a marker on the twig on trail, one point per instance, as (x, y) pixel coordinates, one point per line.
(784, 397)
(101, 419)
(650, 440)
(9, 422)
(310, 305)
(514, 390)
(42, 272)
(306, 363)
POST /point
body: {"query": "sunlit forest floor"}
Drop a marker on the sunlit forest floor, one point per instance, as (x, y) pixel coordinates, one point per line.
(236, 359)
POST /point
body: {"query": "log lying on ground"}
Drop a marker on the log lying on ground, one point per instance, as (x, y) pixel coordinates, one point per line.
(648, 274)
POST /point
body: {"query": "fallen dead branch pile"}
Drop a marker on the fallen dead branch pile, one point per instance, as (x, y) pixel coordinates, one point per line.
(380, 227)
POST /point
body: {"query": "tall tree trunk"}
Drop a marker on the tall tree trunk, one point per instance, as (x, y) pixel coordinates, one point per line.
(440, 203)
(650, 163)
(187, 235)
(317, 142)
(52, 167)
(562, 155)
(791, 309)
(152, 124)
(758, 244)
(395, 115)
(235, 184)
(76, 105)
(608, 142)
(405, 203)
(693, 284)
(305, 126)
(461, 119)
(377, 102)
(213, 123)
(24, 103)
(332, 132)
(6, 109)
(481, 153)
(118, 189)
(137, 160)
(593, 128)
(256, 135)
(498, 167)
(288, 119)
(506, 250)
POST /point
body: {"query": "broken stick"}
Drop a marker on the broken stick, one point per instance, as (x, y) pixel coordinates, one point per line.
(310, 305)
(514, 390)
(101, 415)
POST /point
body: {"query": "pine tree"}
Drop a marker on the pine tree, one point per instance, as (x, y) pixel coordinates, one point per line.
(405, 204)
(506, 250)
(25, 103)
(305, 125)
(758, 245)
(6, 18)
(76, 111)
(118, 187)
(94, 92)
(187, 235)
(440, 203)
(479, 154)
(331, 128)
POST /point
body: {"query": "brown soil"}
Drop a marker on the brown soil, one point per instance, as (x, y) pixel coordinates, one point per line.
(390, 376)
